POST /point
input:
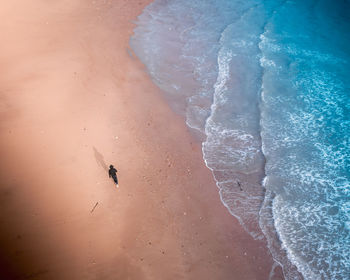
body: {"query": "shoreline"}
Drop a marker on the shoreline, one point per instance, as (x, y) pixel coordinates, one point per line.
(86, 105)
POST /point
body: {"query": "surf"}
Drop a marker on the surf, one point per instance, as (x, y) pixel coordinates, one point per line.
(263, 85)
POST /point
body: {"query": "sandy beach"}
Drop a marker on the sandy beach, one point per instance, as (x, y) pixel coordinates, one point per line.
(73, 100)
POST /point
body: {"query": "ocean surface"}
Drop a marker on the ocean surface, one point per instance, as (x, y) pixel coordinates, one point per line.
(265, 85)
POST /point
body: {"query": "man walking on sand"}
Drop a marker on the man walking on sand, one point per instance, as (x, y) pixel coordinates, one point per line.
(113, 173)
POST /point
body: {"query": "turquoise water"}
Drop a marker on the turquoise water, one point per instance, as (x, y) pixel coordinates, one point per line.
(266, 85)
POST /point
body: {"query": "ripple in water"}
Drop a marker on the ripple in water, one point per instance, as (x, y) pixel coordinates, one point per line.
(265, 85)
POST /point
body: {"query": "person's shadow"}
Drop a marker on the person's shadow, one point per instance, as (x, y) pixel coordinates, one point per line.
(100, 160)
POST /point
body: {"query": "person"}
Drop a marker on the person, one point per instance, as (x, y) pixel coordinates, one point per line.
(239, 185)
(113, 173)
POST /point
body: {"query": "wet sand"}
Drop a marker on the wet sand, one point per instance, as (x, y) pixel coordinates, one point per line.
(72, 101)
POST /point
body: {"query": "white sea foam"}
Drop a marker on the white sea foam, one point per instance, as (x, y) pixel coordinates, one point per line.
(264, 81)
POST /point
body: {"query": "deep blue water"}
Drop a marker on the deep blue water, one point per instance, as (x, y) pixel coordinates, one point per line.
(266, 86)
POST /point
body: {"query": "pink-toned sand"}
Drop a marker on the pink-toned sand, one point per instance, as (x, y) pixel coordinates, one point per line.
(73, 101)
